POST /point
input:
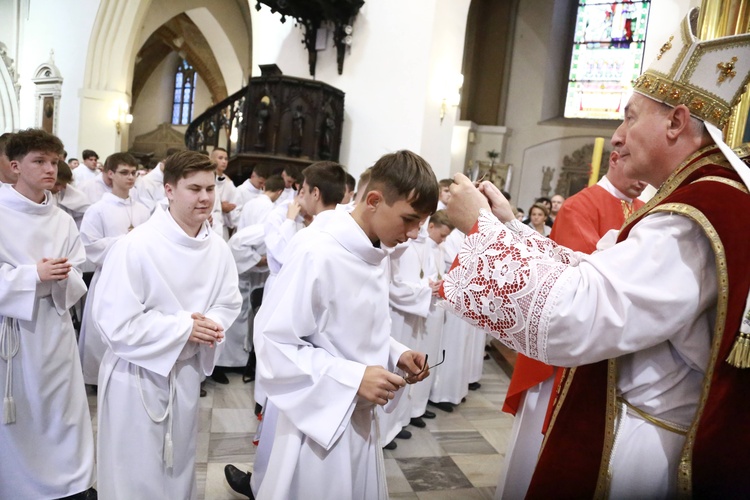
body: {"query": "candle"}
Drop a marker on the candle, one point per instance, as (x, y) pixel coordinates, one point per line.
(596, 160)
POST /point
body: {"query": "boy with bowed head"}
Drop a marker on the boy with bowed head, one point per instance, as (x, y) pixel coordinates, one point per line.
(329, 365)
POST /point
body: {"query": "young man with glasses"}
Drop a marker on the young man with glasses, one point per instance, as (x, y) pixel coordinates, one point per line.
(104, 223)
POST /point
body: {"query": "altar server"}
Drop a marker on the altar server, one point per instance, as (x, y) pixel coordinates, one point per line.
(46, 439)
(167, 292)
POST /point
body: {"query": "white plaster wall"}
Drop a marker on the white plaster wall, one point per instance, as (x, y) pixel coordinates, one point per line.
(530, 55)
(64, 27)
(387, 74)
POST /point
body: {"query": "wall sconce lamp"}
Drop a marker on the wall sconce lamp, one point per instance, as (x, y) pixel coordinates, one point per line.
(455, 97)
(120, 116)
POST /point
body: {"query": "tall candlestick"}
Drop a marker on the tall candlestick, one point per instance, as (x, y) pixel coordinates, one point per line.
(596, 160)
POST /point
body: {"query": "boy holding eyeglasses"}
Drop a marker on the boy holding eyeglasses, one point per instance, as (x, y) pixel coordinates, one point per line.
(327, 366)
(105, 222)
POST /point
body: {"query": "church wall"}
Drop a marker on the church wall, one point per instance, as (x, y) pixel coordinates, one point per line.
(527, 88)
(387, 74)
(64, 27)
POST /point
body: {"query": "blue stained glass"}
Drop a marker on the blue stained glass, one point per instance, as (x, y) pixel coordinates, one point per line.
(182, 109)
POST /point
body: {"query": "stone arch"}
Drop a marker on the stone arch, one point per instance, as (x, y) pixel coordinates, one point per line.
(120, 29)
(9, 112)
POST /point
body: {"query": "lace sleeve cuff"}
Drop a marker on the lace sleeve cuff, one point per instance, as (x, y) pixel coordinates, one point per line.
(503, 280)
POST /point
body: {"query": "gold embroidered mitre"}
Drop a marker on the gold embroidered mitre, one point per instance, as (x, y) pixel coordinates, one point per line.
(707, 76)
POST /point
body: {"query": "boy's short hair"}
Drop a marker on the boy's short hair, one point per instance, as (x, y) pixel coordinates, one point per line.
(64, 173)
(72, 160)
(444, 183)
(89, 153)
(32, 139)
(293, 171)
(364, 179)
(330, 179)
(116, 159)
(183, 163)
(4, 141)
(405, 175)
(275, 183)
(262, 170)
(351, 182)
(440, 218)
(218, 148)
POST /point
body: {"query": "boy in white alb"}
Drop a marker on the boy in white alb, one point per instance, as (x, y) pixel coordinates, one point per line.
(239, 340)
(46, 439)
(104, 223)
(226, 192)
(438, 228)
(166, 293)
(327, 365)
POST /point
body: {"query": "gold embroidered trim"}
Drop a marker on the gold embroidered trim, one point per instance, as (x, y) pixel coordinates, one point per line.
(563, 392)
(610, 432)
(659, 422)
(702, 104)
(723, 180)
(685, 472)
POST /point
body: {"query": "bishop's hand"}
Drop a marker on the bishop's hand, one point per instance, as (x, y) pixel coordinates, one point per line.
(465, 203)
(499, 204)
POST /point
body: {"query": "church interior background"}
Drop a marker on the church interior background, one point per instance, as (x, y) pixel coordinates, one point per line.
(471, 85)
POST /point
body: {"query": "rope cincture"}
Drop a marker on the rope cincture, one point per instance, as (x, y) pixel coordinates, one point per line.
(168, 455)
(9, 345)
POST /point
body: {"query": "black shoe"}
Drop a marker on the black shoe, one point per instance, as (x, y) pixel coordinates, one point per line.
(428, 414)
(403, 434)
(442, 406)
(486, 357)
(89, 494)
(239, 481)
(258, 409)
(248, 374)
(417, 422)
(474, 386)
(203, 391)
(219, 376)
(391, 446)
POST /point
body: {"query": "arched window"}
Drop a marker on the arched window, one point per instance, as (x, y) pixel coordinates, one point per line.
(184, 94)
(607, 56)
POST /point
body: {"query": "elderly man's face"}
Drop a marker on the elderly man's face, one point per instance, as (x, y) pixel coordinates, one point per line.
(641, 138)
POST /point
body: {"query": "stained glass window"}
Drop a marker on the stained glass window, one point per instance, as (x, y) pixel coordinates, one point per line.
(184, 94)
(607, 56)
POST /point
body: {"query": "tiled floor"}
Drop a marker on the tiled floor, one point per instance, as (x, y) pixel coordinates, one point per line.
(457, 456)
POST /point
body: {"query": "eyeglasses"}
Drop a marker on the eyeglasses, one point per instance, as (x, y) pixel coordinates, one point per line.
(426, 356)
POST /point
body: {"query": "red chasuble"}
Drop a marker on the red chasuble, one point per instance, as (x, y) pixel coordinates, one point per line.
(716, 455)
